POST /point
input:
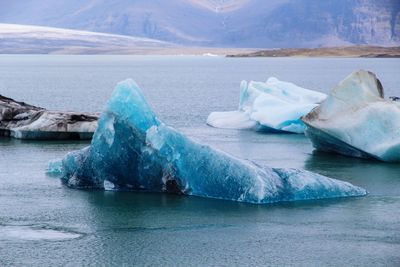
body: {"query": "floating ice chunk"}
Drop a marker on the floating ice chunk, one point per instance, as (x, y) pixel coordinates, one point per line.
(23, 121)
(272, 106)
(356, 120)
(145, 154)
(232, 120)
(108, 186)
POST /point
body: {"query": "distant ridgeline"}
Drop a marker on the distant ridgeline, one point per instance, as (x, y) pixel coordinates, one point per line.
(222, 23)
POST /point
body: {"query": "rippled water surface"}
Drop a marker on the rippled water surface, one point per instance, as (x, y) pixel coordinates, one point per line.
(43, 223)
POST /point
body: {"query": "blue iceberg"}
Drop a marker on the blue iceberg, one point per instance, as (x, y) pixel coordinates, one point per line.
(133, 150)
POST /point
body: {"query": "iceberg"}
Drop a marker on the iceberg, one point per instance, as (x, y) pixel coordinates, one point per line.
(133, 150)
(356, 120)
(24, 121)
(274, 106)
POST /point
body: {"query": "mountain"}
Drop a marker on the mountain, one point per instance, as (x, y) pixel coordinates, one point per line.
(46, 40)
(221, 23)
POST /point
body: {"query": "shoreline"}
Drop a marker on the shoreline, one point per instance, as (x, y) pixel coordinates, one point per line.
(329, 52)
(334, 52)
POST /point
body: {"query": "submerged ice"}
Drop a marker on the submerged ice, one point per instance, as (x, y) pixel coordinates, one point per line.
(133, 150)
(272, 106)
(356, 120)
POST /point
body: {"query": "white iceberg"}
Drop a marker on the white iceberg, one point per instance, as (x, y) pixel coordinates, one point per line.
(271, 106)
(132, 150)
(356, 120)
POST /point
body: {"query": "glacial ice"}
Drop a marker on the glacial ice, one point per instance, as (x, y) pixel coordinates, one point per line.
(24, 121)
(356, 120)
(271, 106)
(133, 150)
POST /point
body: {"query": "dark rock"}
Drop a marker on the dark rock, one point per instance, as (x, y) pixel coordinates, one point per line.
(24, 121)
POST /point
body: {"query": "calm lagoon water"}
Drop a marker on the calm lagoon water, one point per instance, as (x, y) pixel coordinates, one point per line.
(43, 223)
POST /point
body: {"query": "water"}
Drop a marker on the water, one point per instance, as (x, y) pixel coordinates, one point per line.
(43, 223)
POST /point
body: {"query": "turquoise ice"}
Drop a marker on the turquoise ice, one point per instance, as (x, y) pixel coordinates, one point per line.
(133, 150)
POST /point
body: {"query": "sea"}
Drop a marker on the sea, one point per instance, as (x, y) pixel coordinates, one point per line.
(44, 223)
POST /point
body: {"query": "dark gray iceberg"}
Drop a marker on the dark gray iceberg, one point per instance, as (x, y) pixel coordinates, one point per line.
(355, 120)
(133, 150)
(24, 121)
